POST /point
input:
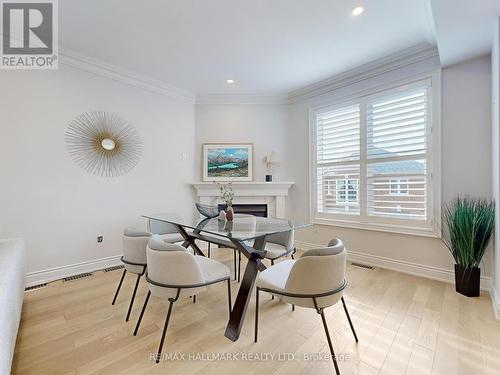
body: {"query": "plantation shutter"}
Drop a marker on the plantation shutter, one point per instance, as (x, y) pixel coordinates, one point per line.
(338, 160)
(396, 151)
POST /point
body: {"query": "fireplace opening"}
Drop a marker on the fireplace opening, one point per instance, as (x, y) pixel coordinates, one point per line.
(249, 209)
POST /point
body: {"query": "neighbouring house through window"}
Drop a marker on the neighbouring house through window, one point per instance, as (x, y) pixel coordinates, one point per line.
(347, 191)
(398, 186)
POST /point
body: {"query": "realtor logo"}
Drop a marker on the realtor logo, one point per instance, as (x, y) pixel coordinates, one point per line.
(29, 34)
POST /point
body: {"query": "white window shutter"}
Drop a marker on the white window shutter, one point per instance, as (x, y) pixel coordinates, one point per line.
(396, 151)
(373, 161)
(337, 159)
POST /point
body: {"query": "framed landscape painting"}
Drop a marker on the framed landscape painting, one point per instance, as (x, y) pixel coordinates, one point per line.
(228, 162)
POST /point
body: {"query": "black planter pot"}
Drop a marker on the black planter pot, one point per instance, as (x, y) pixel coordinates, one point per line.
(467, 280)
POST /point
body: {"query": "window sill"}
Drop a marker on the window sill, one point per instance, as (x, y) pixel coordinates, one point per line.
(389, 228)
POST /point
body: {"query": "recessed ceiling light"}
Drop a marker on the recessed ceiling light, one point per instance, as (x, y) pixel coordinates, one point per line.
(229, 80)
(357, 11)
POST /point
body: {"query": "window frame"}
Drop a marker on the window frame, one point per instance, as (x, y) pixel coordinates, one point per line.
(430, 227)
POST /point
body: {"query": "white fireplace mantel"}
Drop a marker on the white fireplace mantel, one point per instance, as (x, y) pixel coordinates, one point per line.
(271, 193)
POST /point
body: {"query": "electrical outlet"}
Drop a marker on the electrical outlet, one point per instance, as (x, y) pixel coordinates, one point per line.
(99, 239)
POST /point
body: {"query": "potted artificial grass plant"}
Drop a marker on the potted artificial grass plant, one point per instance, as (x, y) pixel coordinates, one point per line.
(470, 223)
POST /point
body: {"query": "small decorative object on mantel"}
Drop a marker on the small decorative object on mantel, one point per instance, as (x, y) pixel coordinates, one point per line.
(207, 211)
(228, 162)
(222, 215)
(230, 213)
(470, 223)
(227, 195)
(103, 143)
(270, 163)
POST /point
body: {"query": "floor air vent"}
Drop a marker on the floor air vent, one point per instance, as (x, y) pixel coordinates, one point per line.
(77, 277)
(362, 266)
(33, 287)
(114, 268)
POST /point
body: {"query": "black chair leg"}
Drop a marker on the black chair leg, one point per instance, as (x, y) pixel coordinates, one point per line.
(337, 371)
(349, 319)
(209, 249)
(158, 355)
(142, 313)
(256, 314)
(194, 298)
(272, 264)
(119, 286)
(293, 307)
(239, 266)
(234, 259)
(229, 296)
(133, 297)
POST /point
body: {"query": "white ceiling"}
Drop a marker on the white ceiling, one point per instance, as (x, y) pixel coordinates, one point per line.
(267, 46)
(464, 28)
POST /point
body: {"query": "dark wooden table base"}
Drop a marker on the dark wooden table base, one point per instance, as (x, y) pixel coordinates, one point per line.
(254, 265)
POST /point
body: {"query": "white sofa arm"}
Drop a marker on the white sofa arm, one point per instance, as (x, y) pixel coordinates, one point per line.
(12, 276)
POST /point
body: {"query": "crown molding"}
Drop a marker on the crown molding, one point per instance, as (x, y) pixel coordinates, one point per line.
(91, 65)
(363, 72)
(406, 57)
(248, 99)
(403, 58)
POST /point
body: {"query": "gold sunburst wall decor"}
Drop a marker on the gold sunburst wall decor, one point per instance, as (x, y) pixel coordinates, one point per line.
(103, 143)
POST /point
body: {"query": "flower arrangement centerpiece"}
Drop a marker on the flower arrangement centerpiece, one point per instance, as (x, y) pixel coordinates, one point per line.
(227, 195)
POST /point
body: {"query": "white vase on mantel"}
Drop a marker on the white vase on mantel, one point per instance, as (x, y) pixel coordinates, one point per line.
(222, 215)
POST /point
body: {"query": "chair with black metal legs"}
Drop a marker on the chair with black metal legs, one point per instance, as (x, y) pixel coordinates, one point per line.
(279, 245)
(167, 232)
(134, 259)
(174, 272)
(315, 280)
(244, 222)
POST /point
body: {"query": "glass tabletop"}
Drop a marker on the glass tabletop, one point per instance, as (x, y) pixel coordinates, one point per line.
(242, 227)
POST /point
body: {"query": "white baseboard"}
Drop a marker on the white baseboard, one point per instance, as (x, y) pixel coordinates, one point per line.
(495, 300)
(45, 276)
(416, 269)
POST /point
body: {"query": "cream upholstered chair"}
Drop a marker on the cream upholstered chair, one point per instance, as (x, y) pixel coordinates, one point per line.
(167, 232)
(280, 245)
(174, 272)
(277, 246)
(134, 259)
(242, 223)
(315, 280)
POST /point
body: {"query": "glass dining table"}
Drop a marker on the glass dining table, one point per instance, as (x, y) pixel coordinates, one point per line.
(247, 234)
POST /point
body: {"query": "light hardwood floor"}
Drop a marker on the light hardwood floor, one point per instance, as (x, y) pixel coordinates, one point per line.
(406, 325)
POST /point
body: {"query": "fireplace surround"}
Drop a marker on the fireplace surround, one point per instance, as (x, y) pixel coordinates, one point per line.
(271, 194)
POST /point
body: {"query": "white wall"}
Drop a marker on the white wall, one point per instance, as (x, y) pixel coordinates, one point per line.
(466, 156)
(264, 125)
(466, 163)
(59, 208)
(495, 65)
